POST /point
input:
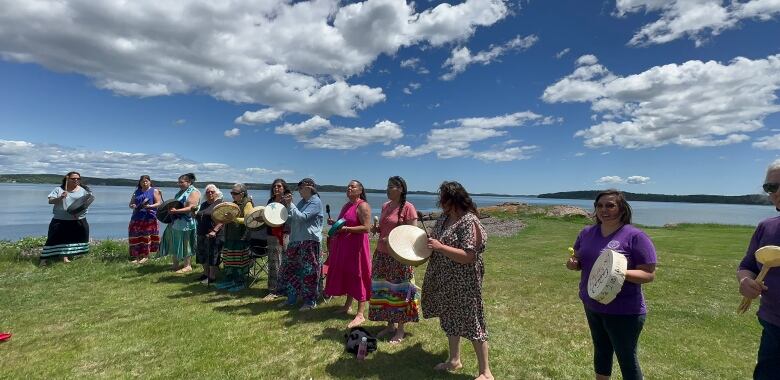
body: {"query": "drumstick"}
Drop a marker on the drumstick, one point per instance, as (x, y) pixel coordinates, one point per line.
(420, 216)
(745, 304)
(571, 252)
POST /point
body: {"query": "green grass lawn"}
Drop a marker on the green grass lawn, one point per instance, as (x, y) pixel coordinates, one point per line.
(102, 317)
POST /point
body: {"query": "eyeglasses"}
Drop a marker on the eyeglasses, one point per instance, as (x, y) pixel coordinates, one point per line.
(235, 193)
(75, 179)
(771, 187)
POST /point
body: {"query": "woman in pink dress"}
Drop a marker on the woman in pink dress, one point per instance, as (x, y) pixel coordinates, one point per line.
(349, 263)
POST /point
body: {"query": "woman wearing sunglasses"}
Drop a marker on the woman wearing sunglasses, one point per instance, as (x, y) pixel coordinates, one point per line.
(235, 254)
(615, 327)
(68, 234)
(767, 233)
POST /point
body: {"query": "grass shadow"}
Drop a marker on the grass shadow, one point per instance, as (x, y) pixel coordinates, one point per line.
(247, 309)
(192, 290)
(411, 362)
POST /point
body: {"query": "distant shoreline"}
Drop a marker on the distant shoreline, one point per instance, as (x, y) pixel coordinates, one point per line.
(748, 199)
(55, 179)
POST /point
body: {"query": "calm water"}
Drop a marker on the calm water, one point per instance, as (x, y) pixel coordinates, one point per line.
(24, 210)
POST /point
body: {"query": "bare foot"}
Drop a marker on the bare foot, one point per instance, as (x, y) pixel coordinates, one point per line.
(448, 366)
(386, 331)
(359, 319)
(484, 376)
(135, 261)
(145, 259)
(186, 269)
(270, 297)
(398, 337)
(65, 259)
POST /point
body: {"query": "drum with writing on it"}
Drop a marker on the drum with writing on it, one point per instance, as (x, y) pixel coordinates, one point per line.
(607, 276)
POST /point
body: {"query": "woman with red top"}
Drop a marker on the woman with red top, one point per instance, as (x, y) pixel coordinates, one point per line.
(394, 297)
(349, 270)
(276, 242)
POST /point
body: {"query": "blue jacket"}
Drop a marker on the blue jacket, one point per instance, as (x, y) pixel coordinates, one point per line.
(306, 220)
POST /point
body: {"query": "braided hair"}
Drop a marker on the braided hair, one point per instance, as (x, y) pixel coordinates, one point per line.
(399, 182)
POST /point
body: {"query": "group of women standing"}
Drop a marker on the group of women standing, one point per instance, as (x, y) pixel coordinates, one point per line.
(452, 288)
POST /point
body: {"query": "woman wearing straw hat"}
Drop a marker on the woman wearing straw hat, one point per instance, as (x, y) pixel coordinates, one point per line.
(349, 263)
(68, 234)
(452, 289)
(235, 254)
(277, 241)
(394, 297)
(211, 235)
(615, 327)
(179, 237)
(767, 233)
(143, 231)
(301, 268)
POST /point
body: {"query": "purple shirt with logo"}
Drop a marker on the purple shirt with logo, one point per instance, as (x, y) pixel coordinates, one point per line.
(629, 241)
(767, 233)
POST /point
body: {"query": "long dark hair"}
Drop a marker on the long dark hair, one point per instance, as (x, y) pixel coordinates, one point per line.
(189, 177)
(81, 181)
(453, 194)
(362, 189)
(143, 177)
(399, 182)
(622, 203)
(285, 186)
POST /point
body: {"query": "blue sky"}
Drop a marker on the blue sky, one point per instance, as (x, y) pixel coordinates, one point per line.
(506, 97)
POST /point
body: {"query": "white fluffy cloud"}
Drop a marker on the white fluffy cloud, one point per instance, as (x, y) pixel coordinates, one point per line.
(695, 19)
(615, 180)
(341, 138)
(768, 143)
(411, 87)
(27, 157)
(693, 104)
(263, 116)
(241, 51)
(414, 64)
(456, 141)
(232, 132)
(462, 57)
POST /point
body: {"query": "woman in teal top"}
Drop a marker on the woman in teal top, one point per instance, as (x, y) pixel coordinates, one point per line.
(179, 237)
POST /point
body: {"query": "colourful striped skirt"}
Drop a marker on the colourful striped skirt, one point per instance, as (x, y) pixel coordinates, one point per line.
(235, 254)
(177, 243)
(144, 237)
(66, 238)
(394, 296)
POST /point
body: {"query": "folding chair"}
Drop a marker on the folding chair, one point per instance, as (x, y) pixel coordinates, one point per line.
(258, 253)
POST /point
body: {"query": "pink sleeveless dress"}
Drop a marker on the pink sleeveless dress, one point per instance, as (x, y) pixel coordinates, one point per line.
(349, 270)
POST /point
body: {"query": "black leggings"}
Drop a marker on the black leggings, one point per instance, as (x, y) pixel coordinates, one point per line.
(618, 334)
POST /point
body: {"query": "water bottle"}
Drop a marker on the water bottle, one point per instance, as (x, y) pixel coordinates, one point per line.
(362, 348)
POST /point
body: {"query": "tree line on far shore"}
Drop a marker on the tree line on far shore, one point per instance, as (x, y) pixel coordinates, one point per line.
(748, 199)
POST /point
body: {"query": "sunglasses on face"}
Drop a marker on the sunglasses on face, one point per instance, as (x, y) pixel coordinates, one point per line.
(75, 179)
(771, 187)
(235, 193)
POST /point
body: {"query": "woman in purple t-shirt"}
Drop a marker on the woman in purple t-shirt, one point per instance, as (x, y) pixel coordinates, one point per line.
(767, 233)
(615, 327)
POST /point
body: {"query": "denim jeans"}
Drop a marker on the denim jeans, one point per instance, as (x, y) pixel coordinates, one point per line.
(768, 362)
(618, 334)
